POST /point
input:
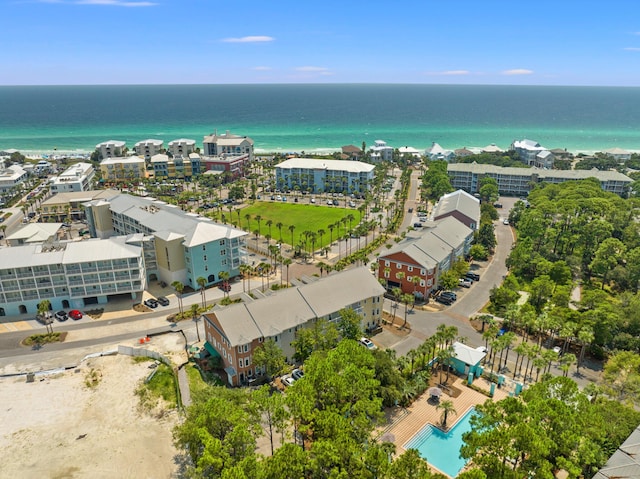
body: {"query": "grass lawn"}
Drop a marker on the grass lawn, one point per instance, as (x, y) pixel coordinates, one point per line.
(306, 217)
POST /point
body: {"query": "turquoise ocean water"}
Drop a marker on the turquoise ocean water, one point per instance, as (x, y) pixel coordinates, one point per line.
(317, 117)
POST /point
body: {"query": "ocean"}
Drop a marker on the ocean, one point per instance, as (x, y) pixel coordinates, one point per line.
(314, 118)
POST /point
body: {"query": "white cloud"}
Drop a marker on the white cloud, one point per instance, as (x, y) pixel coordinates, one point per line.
(456, 72)
(323, 71)
(518, 71)
(632, 49)
(261, 68)
(249, 39)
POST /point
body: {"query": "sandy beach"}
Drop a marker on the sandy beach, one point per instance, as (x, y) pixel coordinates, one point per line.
(59, 427)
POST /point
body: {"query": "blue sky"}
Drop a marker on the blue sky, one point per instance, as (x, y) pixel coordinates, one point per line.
(542, 42)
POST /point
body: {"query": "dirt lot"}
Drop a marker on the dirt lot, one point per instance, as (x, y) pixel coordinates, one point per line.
(59, 427)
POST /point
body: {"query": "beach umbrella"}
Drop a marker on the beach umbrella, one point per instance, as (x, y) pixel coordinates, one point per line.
(435, 392)
(388, 437)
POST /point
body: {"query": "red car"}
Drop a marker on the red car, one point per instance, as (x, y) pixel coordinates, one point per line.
(75, 314)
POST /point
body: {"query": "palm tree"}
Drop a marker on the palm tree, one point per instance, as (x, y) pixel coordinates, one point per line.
(224, 276)
(248, 218)
(447, 408)
(269, 222)
(406, 299)
(43, 310)
(195, 313)
(258, 218)
(322, 267)
(202, 282)
(321, 233)
(179, 287)
(292, 229)
(286, 262)
(279, 225)
(397, 294)
(331, 227)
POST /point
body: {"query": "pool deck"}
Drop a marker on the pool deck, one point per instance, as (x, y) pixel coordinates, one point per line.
(406, 423)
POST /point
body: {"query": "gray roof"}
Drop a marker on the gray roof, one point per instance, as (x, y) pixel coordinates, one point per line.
(625, 462)
(79, 196)
(435, 244)
(286, 309)
(542, 173)
(335, 165)
(67, 252)
(160, 217)
(460, 201)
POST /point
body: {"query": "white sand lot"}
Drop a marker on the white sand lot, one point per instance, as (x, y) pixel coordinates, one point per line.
(60, 428)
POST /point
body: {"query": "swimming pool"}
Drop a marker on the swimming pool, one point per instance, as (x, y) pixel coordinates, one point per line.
(442, 450)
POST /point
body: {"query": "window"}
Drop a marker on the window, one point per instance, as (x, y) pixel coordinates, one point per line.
(246, 348)
(221, 242)
(205, 257)
(204, 247)
(423, 272)
(223, 252)
(386, 263)
(422, 283)
(410, 278)
(410, 268)
(398, 266)
(386, 274)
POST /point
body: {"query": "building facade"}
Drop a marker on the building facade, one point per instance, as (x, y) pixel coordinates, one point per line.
(184, 246)
(69, 205)
(532, 154)
(11, 177)
(69, 274)
(520, 181)
(380, 151)
(237, 331)
(227, 144)
(147, 148)
(317, 176)
(111, 148)
(77, 177)
(414, 265)
(460, 205)
(123, 168)
(182, 147)
(235, 165)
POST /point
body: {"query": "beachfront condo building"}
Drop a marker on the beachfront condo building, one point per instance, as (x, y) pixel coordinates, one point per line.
(182, 147)
(235, 332)
(72, 274)
(147, 148)
(123, 168)
(317, 176)
(77, 177)
(111, 148)
(519, 181)
(219, 145)
(380, 151)
(182, 167)
(437, 153)
(184, 246)
(532, 154)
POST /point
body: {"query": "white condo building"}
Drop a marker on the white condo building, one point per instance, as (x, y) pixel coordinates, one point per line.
(111, 148)
(78, 177)
(182, 147)
(380, 151)
(148, 148)
(227, 144)
(317, 176)
(531, 153)
(69, 274)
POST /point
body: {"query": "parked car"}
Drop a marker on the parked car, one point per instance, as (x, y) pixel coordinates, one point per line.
(472, 276)
(287, 380)
(505, 221)
(75, 314)
(312, 200)
(163, 301)
(410, 210)
(367, 343)
(297, 374)
(417, 225)
(497, 205)
(446, 300)
(61, 316)
(449, 294)
(151, 303)
(335, 203)
(465, 283)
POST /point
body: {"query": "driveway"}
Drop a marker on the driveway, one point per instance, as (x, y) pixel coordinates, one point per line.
(424, 324)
